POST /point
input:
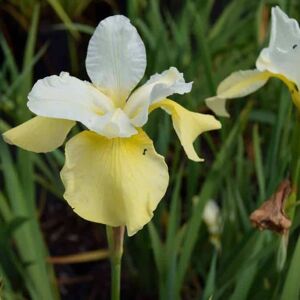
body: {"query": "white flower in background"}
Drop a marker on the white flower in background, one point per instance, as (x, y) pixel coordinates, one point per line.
(213, 220)
(212, 217)
(281, 59)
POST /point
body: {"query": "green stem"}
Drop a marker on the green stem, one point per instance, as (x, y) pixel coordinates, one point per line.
(115, 237)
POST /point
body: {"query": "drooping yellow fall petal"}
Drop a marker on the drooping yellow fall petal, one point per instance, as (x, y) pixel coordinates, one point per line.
(188, 125)
(39, 134)
(116, 181)
(238, 84)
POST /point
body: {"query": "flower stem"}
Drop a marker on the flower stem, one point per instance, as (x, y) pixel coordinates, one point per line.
(115, 237)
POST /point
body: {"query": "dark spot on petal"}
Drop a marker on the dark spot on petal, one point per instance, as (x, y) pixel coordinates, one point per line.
(296, 87)
(295, 46)
(144, 152)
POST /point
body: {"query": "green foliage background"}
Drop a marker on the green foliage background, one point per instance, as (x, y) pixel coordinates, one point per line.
(258, 147)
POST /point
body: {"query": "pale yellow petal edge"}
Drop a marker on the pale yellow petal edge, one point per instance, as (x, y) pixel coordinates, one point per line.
(39, 134)
(236, 85)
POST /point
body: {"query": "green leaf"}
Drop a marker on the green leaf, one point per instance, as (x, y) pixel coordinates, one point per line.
(291, 287)
(63, 16)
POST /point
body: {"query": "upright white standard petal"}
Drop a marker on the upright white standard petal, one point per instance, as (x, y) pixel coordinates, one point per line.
(67, 97)
(116, 58)
(283, 54)
(158, 87)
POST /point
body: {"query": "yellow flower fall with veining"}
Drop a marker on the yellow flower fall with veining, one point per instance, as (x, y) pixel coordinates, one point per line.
(280, 59)
(112, 173)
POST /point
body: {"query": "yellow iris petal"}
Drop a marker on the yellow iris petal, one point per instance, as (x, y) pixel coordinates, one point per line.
(116, 181)
(293, 88)
(242, 83)
(295, 94)
(238, 84)
(188, 125)
(39, 134)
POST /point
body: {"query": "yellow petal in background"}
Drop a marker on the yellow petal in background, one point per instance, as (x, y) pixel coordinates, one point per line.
(39, 134)
(293, 88)
(188, 125)
(238, 84)
(116, 181)
(294, 93)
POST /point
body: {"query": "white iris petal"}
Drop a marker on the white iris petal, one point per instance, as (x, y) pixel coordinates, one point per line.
(119, 125)
(69, 98)
(158, 87)
(283, 54)
(116, 58)
(116, 61)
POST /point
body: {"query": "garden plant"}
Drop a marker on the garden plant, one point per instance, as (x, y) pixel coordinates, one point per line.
(129, 185)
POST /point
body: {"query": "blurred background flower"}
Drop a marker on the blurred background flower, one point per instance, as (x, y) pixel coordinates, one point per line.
(213, 221)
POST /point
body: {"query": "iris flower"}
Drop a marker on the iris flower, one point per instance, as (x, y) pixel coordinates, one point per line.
(280, 59)
(112, 173)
